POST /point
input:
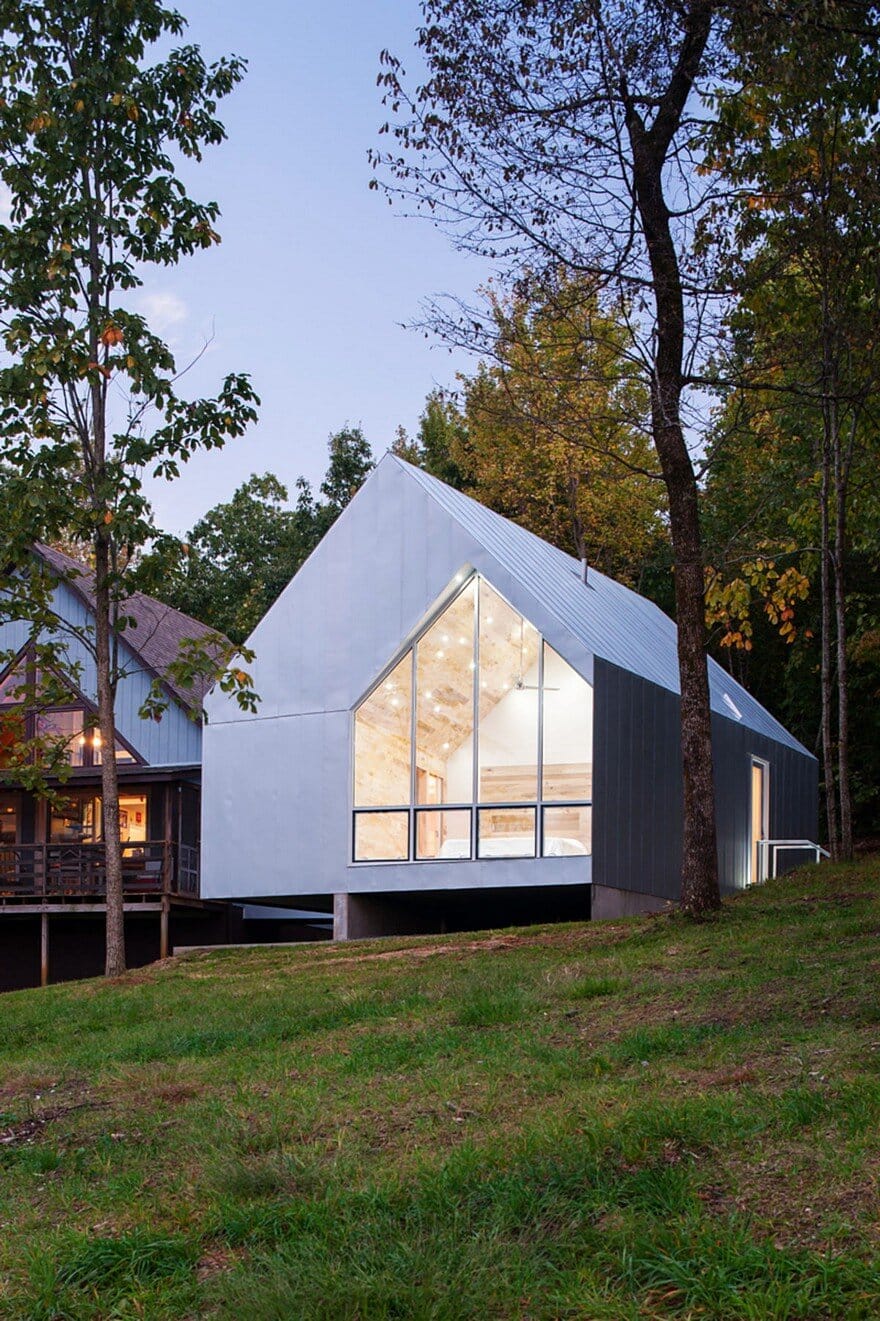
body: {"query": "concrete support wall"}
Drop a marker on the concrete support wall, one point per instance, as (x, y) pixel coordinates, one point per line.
(607, 902)
(359, 916)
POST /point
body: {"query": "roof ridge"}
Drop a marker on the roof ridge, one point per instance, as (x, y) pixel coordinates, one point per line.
(158, 631)
(617, 635)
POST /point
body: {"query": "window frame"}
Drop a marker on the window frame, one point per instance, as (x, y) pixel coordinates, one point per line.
(461, 583)
(79, 702)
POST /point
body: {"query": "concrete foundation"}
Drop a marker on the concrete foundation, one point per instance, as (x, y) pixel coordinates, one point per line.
(608, 902)
(421, 913)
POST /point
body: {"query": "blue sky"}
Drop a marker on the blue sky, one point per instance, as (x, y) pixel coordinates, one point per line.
(315, 273)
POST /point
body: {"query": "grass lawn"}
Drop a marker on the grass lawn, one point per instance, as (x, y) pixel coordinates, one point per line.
(632, 1119)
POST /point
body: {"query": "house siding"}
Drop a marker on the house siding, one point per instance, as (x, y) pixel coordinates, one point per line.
(637, 795)
(175, 740)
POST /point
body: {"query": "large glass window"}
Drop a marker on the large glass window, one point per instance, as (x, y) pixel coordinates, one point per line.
(445, 705)
(37, 704)
(568, 731)
(78, 819)
(501, 763)
(381, 836)
(8, 819)
(509, 687)
(382, 741)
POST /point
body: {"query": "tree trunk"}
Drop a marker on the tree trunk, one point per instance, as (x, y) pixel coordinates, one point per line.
(843, 777)
(115, 926)
(699, 877)
(825, 664)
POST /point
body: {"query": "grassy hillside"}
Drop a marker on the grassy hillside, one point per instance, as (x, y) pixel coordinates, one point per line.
(631, 1119)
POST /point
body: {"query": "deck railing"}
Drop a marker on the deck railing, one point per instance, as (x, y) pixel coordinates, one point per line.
(67, 872)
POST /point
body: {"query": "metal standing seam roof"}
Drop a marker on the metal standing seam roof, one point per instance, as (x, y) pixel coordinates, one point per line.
(611, 620)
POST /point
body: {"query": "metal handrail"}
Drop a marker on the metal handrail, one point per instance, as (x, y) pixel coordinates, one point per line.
(769, 849)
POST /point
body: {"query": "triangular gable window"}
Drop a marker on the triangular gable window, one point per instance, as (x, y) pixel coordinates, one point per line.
(51, 709)
(476, 743)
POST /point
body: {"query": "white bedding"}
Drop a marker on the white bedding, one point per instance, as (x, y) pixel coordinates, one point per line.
(512, 846)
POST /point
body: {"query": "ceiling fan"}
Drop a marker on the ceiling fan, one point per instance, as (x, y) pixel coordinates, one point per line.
(519, 682)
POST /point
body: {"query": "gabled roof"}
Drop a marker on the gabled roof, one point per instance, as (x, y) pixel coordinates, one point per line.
(611, 620)
(157, 630)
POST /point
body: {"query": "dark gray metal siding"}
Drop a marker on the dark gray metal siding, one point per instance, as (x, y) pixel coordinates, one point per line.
(637, 788)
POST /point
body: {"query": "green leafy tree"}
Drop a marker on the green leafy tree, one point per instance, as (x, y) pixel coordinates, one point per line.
(799, 152)
(351, 462)
(441, 443)
(237, 559)
(558, 432)
(90, 133)
(241, 555)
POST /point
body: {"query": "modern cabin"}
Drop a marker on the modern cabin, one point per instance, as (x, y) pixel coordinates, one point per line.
(460, 726)
(52, 867)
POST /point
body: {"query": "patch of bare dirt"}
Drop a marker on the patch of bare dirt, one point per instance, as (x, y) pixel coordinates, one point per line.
(802, 1202)
(32, 1126)
(218, 1260)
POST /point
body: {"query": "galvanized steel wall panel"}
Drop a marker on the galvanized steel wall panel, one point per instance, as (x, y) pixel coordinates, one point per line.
(637, 814)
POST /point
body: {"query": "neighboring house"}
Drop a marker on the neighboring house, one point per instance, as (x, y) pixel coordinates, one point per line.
(459, 726)
(51, 852)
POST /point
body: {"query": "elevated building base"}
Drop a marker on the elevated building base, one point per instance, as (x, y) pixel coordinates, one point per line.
(421, 913)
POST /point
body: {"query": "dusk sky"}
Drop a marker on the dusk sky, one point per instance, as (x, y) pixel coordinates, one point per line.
(315, 273)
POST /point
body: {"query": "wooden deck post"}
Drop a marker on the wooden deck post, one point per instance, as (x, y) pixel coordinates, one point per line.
(163, 927)
(44, 948)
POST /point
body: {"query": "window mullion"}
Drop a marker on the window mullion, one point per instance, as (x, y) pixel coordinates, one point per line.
(413, 735)
(475, 786)
(539, 815)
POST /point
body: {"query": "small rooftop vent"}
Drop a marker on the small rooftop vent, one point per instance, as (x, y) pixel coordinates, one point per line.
(585, 569)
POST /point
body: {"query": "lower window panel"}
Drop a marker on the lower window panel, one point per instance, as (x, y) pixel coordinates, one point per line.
(506, 832)
(443, 834)
(381, 836)
(568, 831)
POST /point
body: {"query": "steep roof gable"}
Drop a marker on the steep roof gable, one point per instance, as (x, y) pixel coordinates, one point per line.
(157, 632)
(612, 621)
